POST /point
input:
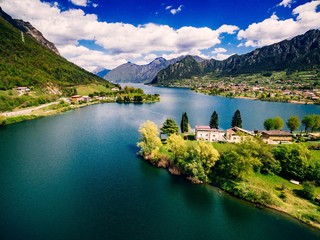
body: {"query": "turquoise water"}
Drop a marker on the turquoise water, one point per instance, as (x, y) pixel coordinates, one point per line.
(77, 176)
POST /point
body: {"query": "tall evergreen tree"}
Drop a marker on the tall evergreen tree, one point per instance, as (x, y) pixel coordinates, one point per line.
(184, 125)
(236, 119)
(214, 120)
(169, 127)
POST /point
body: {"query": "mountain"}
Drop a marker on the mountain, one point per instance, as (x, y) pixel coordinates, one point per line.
(28, 59)
(101, 72)
(130, 72)
(300, 53)
(27, 28)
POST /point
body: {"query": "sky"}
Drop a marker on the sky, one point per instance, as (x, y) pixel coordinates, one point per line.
(107, 33)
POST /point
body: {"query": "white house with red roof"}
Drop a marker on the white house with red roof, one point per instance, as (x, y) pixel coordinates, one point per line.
(209, 134)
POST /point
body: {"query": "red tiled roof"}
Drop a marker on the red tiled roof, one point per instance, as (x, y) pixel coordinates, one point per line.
(276, 133)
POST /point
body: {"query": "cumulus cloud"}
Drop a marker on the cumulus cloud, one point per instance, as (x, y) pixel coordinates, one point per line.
(219, 50)
(122, 42)
(176, 10)
(82, 3)
(286, 3)
(274, 29)
(222, 56)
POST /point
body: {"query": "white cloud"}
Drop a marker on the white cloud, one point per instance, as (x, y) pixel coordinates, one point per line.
(222, 56)
(273, 29)
(82, 3)
(286, 3)
(219, 50)
(230, 29)
(175, 11)
(122, 42)
(168, 7)
(95, 5)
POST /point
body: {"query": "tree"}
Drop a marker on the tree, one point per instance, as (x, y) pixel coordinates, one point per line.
(178, 147)
(237, 164)
(236, 119)
(200, 158)
(208, 155)
(214, 120)
(308, 190)
(293, 123)
(268, 124)
(308, 122)
(149, 141)
(170, 127)
(3, 120)
(184, 125)
(295, 160)
(278, 123)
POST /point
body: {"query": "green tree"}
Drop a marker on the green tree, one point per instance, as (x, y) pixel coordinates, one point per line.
(295, 160)
(308, 190)
(278, 123)
(149, 141)
(236, 119)
(201, 157)
(170, 127)
(184, 125)
(208, 155)
(178, 147)
(269, 124)
(214, 120)
(311, 122)
(293, 123)
(240, 162)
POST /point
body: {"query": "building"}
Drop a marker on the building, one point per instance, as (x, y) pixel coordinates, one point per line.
(276, 136)
(209, 134)
(23, 90)
(232, 136)
(236, 134)
(76, 98)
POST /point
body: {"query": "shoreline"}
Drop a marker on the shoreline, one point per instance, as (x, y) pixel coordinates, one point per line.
(32, 113)
(239, 97)
(174, 171)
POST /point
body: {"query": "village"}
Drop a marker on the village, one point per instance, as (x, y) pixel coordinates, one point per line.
(296, 93)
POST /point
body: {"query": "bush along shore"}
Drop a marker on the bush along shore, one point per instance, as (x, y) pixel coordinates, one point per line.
(250, 170)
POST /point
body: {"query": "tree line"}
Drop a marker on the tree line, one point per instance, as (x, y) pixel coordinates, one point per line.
(201, 162)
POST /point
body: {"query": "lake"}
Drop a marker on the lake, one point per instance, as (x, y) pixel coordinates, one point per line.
(77, 176)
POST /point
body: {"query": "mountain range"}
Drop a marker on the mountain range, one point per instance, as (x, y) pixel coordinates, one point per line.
(130, 72)
(299, 53)
(27, 58)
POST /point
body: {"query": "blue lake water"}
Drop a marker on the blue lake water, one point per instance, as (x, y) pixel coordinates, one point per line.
(77, 176)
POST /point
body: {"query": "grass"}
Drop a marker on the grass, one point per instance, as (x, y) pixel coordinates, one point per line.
(223, 147)
(315, 153)
(296, 206)
(85, 90)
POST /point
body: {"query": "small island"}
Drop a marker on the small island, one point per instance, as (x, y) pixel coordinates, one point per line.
(278, 171)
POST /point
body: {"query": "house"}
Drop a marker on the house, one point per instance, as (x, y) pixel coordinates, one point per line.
(23, 90)
(276, 136)
(209, 134)
(76, 98)
(236, 134)
(232, 136)
(86, 99)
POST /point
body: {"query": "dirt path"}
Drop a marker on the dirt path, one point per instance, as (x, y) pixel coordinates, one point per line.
(27, 111)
